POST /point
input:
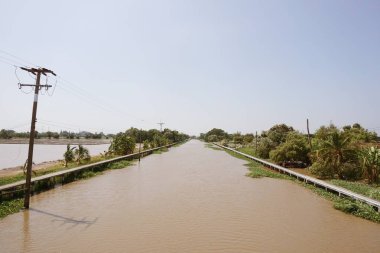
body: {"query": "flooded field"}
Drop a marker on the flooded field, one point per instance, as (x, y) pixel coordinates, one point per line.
(12, 155)
(190, 199)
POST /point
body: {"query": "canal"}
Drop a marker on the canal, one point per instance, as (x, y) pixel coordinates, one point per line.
(190, 199)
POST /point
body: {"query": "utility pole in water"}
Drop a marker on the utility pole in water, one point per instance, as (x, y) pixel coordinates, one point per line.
(37, 72)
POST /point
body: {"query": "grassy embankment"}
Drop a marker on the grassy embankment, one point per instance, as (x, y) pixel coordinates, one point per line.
(346, 205)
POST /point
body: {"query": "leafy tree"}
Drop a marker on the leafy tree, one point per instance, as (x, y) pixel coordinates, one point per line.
(146, 145)
(6, 134)
(69, 154)
(81, 154)
(219, 133)
(295, 148)
(264, 147)
(324, 132)
(371, 163)
(122, 144)
(159, 140)
(278, 133)
(212, 138)
(334, 152)
(237, 138)
(360, 135)
(248, 138)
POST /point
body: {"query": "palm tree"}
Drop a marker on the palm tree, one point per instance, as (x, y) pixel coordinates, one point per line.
(335, 151)
(371, 163)
(82, 153)
(68, 155)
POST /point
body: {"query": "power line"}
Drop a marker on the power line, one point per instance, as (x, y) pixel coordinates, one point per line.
(94, 100)
(11, 61)
(17, 57)
(69, 87)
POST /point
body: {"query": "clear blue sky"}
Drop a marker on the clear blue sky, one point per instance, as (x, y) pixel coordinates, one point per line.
(237, 65)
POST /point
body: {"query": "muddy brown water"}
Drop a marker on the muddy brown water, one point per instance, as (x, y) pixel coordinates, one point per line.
(190, 199)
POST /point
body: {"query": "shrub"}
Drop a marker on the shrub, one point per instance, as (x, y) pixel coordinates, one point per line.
(264, 147)
(351, 171)
(321, 170)
(122, 144)
(295, 148)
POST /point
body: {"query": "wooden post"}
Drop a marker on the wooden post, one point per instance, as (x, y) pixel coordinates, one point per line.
(31, 143)
(256, 143)
(140, 144)
(308, 134)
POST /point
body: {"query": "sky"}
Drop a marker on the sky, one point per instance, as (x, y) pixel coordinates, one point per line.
(195, 65)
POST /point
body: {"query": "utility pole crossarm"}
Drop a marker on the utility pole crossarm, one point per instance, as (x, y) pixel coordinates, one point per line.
(161, 123)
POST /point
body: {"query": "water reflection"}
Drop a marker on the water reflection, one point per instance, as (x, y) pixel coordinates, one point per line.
(26, 240)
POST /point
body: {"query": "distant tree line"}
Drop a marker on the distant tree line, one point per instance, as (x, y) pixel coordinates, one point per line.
(350, 153)
(124, 143)
(9, 134)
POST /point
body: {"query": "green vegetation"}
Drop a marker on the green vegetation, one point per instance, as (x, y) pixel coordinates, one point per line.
(356, 208)
(50, 169)
(82, 154)
(371, 191)
(349, 153)
(124, 143)
(294, 148)
(337, 155)
(209, 145)
(371, 163)
(161, 150)
(68, 156)
(9, 134)
(10, 206)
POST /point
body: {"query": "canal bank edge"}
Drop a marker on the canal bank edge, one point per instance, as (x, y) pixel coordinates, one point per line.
(343, 201)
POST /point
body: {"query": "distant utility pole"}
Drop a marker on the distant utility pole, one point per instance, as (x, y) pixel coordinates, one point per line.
(37, 72)
(140, 144)
(161, 123)
(256, 143)
(308, 134)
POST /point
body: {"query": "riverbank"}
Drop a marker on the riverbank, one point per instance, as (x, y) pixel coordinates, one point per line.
(57, 141)
(349, 206)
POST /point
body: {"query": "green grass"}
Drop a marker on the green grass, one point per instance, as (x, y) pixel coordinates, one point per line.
(248, 150)
(346, 205)
(209, 145)
(10, 206)
(160, 151)
(371, 191)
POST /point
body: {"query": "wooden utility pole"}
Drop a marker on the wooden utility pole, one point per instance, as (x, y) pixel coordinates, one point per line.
(140, 144)
(308, 134)
(256, 143)
(37, 87)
